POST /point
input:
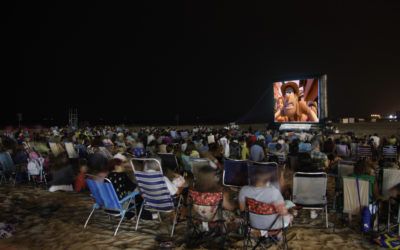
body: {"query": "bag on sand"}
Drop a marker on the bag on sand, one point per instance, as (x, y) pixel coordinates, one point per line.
(366, 216)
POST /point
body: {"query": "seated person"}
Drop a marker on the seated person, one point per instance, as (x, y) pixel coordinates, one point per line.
(364, 170)
(119, 179)
(264, 192)
(62, 174)
(175, 186)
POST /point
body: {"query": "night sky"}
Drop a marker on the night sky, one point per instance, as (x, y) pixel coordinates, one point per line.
(206, 61)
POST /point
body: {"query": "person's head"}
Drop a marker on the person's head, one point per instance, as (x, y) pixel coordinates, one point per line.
(207, 180)
(83, 165)
(115, 165)
(290, 91)
(190, 147)
(261, 176)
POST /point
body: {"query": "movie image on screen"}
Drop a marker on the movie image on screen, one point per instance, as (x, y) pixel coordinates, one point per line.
(296, 101)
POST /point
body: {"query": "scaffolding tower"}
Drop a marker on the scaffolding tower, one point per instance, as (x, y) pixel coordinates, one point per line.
(73, 117)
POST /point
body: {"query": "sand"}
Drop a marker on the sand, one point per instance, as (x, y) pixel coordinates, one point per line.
(55, 221)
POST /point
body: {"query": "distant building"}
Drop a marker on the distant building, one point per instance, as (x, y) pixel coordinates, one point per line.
(398, 115)
(376, 116)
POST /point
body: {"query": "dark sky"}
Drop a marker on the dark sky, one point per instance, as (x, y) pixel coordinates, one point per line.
(207, 61)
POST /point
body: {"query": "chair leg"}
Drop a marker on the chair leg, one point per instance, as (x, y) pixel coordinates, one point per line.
(90, 215)
(176, 216)
(326, 216)
(138, 218)
(119, 224)
(388, 220)
(159, 216)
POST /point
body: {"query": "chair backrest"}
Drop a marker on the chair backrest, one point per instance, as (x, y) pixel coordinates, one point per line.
(169, 161)
(205, 198)
(351, 200)
(345, 168)
(6, 162)
(391, 177)
(309, 189)
(104, 193)
(342, 150)
(56, 148)
(235, 173)
(262, 216)
(364, 151)
(153, 187)
(389, 152)
(69, 147)
(305, 147)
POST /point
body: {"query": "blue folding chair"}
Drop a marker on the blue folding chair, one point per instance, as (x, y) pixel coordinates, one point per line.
(155, 193)
(107, 200)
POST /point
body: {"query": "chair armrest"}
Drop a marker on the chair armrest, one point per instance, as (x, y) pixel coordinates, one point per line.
(128, 197)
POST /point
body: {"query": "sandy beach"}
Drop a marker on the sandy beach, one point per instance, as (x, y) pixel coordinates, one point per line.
(45, 220)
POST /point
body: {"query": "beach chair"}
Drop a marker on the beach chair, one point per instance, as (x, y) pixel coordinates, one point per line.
(187, 167)
(344, 168)
(169, 161)
(71, 151)
(305, 147)
(309, 192)
(155, 193)
(235, 173)
(106, 199)
(389, 153)
(357, 194)
(256, 212)
(205, 221)
(36, 172)
(364, 152)
(343, 151)
(390, 178)
(7, 168)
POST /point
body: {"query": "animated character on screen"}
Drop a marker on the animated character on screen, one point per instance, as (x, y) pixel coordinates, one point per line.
(294, 110)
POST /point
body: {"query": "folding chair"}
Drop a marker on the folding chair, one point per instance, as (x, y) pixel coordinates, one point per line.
(235, 173)
(309, 191)
(257, 212)
(364, 152)
(71, 151)
(107, 200)
(389, 153)
(344, 168)
(169, 161)
(390, 178)
(357, 195)
(343, 150)
(204, 209)
(7, 168)
(155, 193)
(35, 171)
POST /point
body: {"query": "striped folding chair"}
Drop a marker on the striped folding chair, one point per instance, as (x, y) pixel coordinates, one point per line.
(107, 200)
(389, 152)
(155, 193)
(364, 152)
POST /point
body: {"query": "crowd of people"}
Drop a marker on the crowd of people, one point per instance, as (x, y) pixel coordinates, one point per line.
(105, 152)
